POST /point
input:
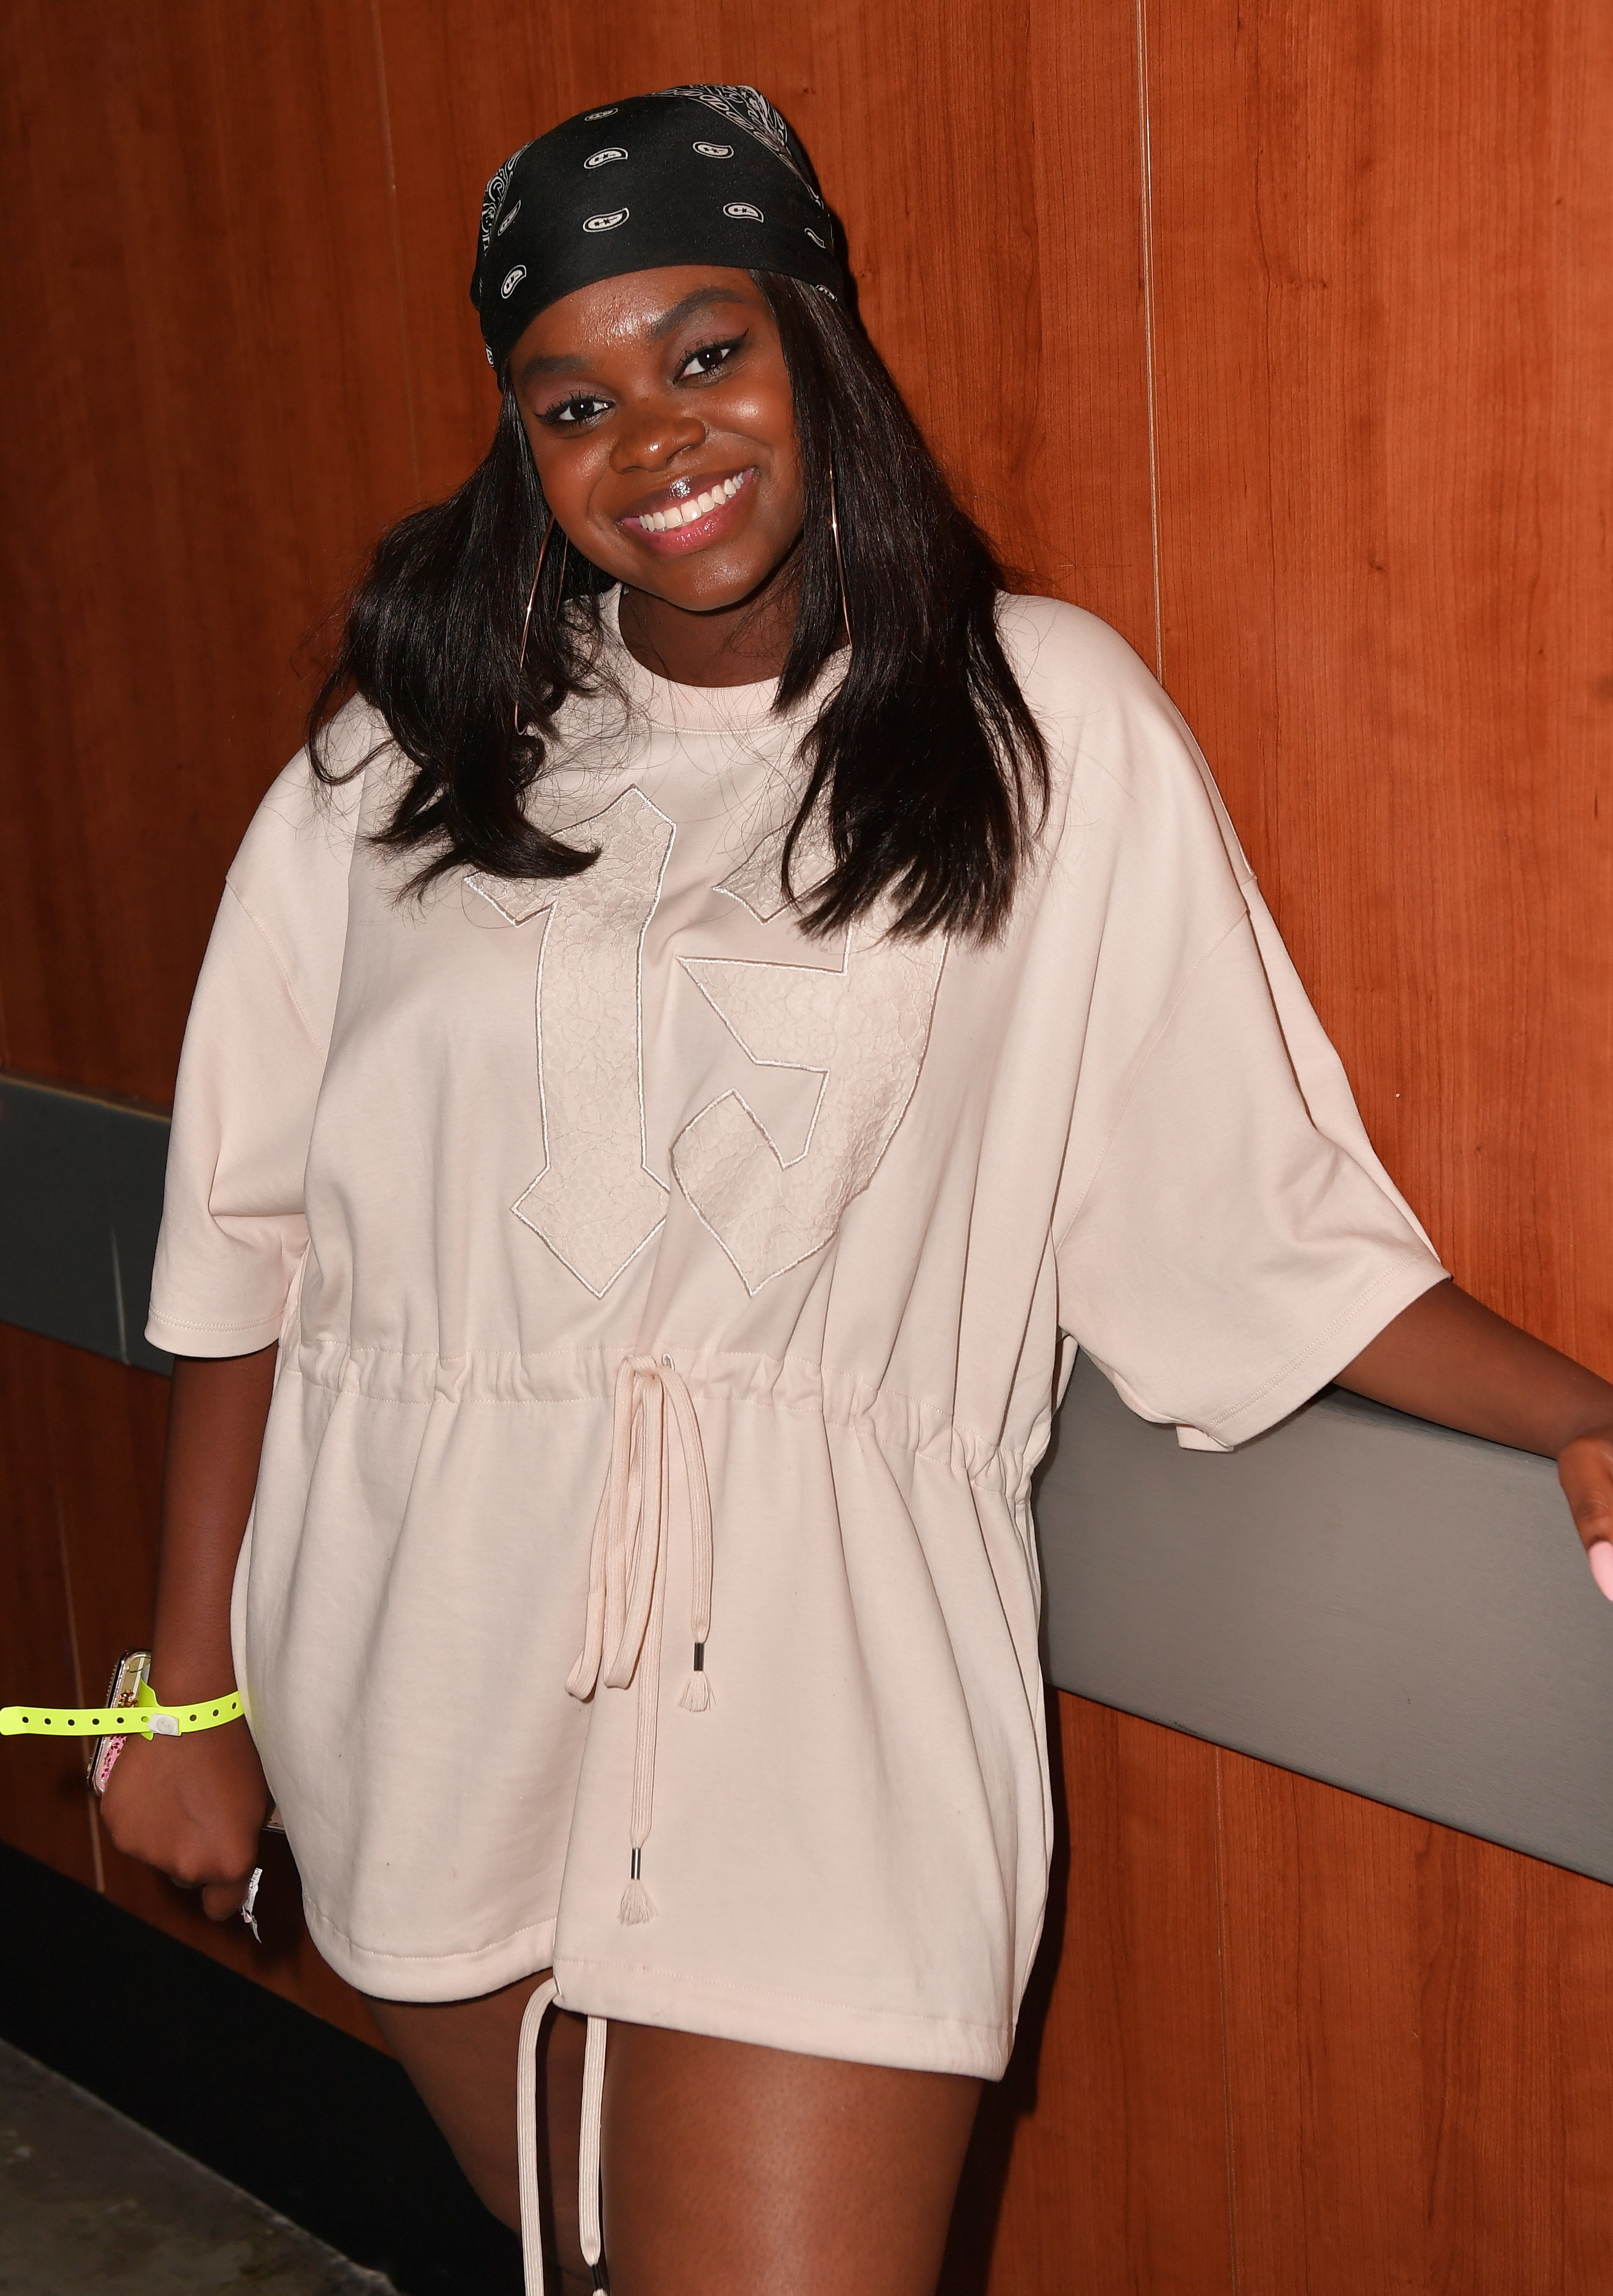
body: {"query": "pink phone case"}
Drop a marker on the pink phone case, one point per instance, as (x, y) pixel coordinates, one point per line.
(132, 1670)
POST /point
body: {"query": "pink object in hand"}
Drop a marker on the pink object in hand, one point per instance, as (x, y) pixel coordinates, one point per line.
(1600, 1558)
(106, 1755)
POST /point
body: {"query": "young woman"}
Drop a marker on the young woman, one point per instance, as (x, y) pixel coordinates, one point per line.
(726, 991)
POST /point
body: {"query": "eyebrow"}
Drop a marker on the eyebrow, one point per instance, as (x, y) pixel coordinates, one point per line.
(668, 324)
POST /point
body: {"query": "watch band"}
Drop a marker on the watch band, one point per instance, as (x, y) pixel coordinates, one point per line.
(147, 1717)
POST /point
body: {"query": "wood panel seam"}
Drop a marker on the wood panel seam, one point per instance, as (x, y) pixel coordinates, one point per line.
(1226, 2075)
(1146, 195)
(397, 264)
(65, 1561)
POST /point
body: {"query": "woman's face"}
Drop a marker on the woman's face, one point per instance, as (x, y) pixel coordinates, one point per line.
(658, 409)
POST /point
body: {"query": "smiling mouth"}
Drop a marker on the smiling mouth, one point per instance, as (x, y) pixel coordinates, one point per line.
(691, 511)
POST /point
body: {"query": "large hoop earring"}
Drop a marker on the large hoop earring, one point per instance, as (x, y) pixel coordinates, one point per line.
(840, 568)
(538, 575)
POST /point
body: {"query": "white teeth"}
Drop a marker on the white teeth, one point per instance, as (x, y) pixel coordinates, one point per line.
(676, 514)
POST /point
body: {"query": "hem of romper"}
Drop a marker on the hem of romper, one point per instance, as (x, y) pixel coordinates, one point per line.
(178, 1338)
(679, 2002)
(1326, 1356)
(431, 1976)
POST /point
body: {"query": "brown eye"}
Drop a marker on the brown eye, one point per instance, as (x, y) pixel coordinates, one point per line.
(582, 408)
(709, 359)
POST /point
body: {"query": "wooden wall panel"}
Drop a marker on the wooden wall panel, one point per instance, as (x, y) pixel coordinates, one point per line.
(43, 1807)
(1418, 2052)
(1295, 2042)
(1380, 235)
(1101, 2161)
(206, 418)
(81, 1483)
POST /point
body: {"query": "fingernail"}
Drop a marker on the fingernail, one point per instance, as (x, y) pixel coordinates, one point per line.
(1600, 1558)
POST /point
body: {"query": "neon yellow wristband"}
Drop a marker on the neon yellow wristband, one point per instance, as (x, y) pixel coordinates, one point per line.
(147, 1717)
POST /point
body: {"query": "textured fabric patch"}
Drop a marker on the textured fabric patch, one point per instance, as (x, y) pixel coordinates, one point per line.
(595, 1203)
(865, 1028)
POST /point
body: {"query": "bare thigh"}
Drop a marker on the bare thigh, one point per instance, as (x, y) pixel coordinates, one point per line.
(729, 2170)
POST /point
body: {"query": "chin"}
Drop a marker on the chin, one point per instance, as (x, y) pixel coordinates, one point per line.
(701, 590)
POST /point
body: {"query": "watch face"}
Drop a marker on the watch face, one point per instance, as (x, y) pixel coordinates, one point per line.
(130, 1673)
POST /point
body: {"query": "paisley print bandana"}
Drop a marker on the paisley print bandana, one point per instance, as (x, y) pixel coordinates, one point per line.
(691, 175)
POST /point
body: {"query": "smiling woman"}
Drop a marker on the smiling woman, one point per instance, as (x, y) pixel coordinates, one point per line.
(625, 402)
(659, 413)
(725, 990)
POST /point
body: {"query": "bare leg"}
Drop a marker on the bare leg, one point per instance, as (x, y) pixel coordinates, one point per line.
(740, 2171)
(460, 2057)
(728, 2170)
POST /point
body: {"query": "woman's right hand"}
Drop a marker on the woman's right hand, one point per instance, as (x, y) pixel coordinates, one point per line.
(194, 1808)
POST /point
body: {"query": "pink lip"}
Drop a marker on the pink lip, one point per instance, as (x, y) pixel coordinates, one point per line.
(676, 541)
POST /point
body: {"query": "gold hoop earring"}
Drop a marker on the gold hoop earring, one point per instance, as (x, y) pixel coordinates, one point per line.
(538, 575)
(834, 528)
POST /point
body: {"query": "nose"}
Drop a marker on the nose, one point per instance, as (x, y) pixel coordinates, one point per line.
(654, 434)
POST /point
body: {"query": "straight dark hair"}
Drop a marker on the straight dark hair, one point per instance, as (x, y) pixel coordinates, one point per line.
(925, 765)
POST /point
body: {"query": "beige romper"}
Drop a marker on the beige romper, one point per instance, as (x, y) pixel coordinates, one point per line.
(642, 1574)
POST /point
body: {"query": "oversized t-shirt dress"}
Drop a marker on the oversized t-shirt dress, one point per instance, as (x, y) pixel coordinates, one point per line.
(641, 1576)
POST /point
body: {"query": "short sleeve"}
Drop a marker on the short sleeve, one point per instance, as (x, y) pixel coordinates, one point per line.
(233, 1233)
(1227, 1240)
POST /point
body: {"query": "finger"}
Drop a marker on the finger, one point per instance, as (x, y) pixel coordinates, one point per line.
(221, 1901)
(1585, 1471)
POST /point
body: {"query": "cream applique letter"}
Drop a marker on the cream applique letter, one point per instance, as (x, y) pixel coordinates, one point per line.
(865, 1028)
(593, 1203)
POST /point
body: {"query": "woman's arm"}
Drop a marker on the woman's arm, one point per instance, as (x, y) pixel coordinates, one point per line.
(1447, 1358)
(194, 1806)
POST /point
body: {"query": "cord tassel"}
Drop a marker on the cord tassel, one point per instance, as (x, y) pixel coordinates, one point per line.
(637, 1904)
(697, 1689)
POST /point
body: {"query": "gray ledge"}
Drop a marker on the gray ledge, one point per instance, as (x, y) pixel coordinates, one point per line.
(1358, 1595)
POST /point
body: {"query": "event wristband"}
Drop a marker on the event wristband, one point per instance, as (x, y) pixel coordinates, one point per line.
(147, 1717)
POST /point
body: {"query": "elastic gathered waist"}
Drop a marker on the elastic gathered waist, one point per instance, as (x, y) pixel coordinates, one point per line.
(792, 1385)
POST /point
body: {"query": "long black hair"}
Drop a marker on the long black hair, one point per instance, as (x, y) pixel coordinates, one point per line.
(925, 765)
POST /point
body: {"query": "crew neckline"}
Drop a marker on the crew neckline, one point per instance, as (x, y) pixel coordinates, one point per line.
(704, 708)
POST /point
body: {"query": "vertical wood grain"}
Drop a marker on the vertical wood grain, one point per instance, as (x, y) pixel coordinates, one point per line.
(203, 392)
(1112, 2113)
(80, 1474)
(1419, 2053)
(1380, 239)
(1295, 2042)
(43, 1807)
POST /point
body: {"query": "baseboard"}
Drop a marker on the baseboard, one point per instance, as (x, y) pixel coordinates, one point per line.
(320, 2128)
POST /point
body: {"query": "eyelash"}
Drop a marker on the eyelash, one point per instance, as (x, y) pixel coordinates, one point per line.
(556, 416)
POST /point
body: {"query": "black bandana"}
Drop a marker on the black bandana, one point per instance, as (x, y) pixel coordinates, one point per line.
(693, 175)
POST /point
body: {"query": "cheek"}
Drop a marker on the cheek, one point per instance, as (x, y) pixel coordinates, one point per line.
(567, 481)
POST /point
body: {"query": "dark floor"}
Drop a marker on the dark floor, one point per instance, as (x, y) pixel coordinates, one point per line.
(89, 2202)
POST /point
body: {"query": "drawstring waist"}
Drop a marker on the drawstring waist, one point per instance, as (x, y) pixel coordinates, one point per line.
(622, 1640)
(628, 1576)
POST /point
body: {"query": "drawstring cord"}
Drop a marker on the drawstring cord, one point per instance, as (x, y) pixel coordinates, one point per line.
(628, 1577)
(622, 1638)
(588, 2148)
(525, 2135)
